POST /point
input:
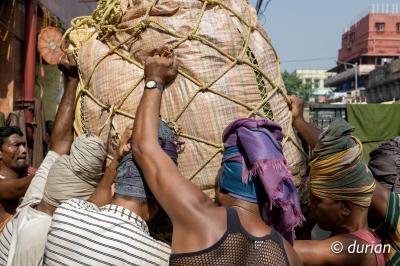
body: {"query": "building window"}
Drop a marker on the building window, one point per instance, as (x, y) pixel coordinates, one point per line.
(380, 27)
(398, 27)
(316, 83)
(308, 81)
(344, 40)
(351, 40)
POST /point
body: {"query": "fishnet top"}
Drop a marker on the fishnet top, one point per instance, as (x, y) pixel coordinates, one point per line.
(237, 247)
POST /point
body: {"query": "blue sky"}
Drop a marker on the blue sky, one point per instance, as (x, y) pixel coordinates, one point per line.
(311, 29)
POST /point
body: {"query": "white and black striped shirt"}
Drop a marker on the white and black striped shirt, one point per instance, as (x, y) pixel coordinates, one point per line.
(83, 234)
(5, 239)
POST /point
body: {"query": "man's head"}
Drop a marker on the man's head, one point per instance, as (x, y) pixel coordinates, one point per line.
(255, 170)
(249, 146)
(131, 190)
(330, 214)
(230, 188)
(341, 185)
(385, 164)
(76, 175)
(12, 149)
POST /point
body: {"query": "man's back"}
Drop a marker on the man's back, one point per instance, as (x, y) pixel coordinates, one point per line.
(82, 232)
(238, 247)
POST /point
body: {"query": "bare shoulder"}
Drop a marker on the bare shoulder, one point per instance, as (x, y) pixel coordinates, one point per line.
(208, 225)
(255, 227)
(359, 250)
(336, 250)
(347, 249)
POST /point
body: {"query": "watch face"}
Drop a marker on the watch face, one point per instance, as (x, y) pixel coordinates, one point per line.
(151, 84)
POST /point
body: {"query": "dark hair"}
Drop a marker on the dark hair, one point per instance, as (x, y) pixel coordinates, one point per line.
(7, 131)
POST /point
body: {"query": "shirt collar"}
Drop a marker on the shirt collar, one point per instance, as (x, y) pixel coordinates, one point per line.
(127, 215)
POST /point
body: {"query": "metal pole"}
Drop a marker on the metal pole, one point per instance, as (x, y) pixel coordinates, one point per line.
(30, 48)
(30, 61)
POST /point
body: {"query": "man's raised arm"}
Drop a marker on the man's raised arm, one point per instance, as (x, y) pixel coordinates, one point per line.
(63, 132)
(62, 136)
(103, 193)
(179, 197)
(309, 132)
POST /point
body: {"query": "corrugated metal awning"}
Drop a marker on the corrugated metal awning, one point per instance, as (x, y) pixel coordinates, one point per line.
(348, 75)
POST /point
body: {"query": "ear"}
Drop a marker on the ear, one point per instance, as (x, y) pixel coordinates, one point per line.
(346, 207)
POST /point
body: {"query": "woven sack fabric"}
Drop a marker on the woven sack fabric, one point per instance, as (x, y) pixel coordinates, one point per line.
(228, 69)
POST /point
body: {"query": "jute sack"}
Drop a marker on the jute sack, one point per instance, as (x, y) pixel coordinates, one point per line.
(227, 70)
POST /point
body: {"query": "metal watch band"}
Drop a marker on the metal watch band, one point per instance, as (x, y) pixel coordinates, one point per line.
(152, 84)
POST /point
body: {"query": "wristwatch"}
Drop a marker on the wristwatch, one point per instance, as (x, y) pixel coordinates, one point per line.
(152, 84)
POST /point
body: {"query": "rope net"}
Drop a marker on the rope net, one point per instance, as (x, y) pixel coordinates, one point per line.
(228, 69)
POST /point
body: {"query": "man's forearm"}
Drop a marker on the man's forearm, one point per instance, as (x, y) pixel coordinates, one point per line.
(62, 136)
(102, 195)
(14, 188)
(309, 132)
(145, 130)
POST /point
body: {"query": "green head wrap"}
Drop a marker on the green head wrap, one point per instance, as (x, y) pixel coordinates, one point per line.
(337, 171)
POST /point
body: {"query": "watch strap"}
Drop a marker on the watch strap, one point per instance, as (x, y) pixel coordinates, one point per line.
(154, 84)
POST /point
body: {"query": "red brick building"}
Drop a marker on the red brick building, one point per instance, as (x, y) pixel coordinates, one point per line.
(371, 41)
(374, 38)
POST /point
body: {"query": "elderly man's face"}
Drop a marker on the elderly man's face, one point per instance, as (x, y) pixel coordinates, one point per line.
(13, 153)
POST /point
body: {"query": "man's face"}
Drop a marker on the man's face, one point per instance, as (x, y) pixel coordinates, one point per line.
(327, 213)
(13, 153)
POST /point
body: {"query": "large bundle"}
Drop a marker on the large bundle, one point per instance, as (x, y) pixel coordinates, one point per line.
(228, 70)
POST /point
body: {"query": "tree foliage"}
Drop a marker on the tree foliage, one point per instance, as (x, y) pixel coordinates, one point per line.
(295, 86)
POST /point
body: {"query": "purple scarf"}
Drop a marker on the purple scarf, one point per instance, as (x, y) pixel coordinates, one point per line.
(261, 156)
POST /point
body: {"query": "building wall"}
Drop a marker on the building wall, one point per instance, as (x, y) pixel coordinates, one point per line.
(48, 82)
(315, 77)
(384, 83)
(364, 39)
(12, 51)
(49, 89)
(11, 54)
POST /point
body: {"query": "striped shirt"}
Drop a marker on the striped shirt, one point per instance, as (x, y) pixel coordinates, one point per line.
(81, 233)
(391, 229)
(5, 239)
